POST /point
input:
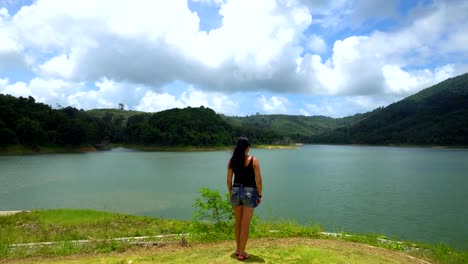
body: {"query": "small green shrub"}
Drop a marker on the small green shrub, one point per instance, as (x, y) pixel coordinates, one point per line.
(212, 219)
(212, 208)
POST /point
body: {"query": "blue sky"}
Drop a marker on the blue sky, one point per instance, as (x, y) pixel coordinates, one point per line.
(240, 57)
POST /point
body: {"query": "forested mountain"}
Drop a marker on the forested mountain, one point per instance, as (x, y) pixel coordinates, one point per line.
(435, 116)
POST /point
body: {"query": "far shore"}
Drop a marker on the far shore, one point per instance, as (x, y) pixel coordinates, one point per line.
(28, 150)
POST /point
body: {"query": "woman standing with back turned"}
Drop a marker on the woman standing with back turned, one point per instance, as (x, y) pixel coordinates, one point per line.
(245, 192)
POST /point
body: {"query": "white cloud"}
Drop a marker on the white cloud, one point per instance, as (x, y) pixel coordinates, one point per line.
(18, 89)
(159, 42)
(319, 110)
(371, 9)
(84, 54)
(317, 44)
(10, 50)
(49, 91)
(3, 83)
(154, 101)
(59, 66)
(274, 104)
(211, 2)
(107, 94)
(393, 63)
(341, 106)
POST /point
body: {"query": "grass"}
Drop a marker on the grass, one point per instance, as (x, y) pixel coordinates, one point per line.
(284, 250)
(64, 224)
(270, 242)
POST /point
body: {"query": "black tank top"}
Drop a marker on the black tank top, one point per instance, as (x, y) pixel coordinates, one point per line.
(245, 175)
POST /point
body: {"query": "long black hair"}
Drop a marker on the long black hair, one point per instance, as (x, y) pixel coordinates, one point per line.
(238, 156)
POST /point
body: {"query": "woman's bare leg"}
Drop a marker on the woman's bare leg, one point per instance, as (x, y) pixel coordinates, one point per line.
(247, 214)
(238, 212)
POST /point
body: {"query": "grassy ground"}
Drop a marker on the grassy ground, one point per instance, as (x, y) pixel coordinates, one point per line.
(65, 225)
(289, 243)
(292, 250)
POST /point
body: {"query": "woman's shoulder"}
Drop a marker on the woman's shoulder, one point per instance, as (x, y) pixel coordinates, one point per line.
(254, 160)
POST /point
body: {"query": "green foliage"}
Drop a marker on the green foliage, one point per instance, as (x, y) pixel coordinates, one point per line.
(213, 216)
(212, 208)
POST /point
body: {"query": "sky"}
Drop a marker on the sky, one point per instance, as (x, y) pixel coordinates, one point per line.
(239, 57)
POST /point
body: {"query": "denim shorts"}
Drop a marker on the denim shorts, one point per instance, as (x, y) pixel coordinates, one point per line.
(246, 196)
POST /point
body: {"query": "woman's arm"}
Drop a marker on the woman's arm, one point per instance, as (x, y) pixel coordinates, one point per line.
(229, 178)
(258, 176)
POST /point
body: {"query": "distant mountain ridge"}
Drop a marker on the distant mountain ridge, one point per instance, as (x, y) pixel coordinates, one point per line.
(293, 127)
(437, 115)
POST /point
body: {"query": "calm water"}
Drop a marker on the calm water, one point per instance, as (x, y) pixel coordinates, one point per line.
(415, 194)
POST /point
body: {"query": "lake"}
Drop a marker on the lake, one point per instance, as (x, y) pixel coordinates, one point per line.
(418, 194)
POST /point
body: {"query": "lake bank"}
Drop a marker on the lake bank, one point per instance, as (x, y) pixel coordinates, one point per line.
(28, 150)
(289, 239)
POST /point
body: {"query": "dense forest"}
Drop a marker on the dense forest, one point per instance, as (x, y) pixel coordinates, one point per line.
(435, 116)
(23, 121)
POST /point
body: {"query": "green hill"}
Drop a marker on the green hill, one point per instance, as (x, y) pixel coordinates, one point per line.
(189, 126)
(293, 127)
(437, 115)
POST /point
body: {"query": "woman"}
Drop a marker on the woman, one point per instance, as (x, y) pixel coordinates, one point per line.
(245, 192)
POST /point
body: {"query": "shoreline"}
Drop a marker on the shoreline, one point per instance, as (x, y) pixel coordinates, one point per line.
(25, 150)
